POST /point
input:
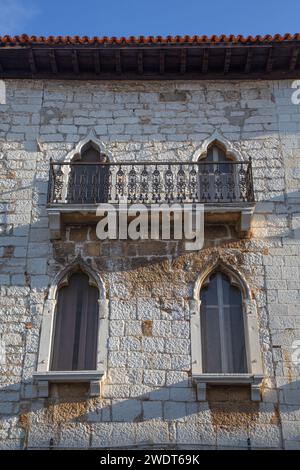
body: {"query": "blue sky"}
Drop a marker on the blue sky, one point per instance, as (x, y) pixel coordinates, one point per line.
(135, 17)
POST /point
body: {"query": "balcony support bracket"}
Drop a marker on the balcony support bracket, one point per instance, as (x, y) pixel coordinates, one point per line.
(54, 224)
(246, 217)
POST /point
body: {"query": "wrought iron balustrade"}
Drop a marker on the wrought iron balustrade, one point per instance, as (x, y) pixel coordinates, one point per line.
(148, 182)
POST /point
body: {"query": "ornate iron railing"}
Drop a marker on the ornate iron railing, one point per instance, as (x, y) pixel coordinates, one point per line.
(148, 183)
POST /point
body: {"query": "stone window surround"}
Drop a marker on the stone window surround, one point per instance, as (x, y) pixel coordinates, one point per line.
(219, 140)
(44, 376)
(76, 155)
(253, 352)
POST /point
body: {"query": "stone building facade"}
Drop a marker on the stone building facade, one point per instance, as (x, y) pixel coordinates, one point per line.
(150, 393)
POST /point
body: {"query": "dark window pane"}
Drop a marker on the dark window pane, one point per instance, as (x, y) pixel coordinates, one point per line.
(235, 296)
(210, 333)
(225, 285)
(209, 292)
(231, 294)
(88, 183)
(209, 157)
(92, 155)
(76, 326)
(235, 336)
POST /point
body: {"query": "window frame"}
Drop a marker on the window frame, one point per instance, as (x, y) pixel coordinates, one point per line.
(44, 375)
(255, 375)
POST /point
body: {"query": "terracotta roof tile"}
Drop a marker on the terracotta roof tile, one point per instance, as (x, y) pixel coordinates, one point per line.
(24, 39)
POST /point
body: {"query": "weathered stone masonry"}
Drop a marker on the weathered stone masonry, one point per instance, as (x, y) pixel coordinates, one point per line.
(148, 398)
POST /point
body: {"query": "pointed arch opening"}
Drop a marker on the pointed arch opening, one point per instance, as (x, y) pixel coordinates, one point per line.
(88, 175)
(224, 331)
(222, 325)
(74, 332)
(76, 324)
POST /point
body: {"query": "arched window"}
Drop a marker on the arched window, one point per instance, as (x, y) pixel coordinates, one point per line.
(218, 179)
(74, 331)
(76, 325)
(225, 342)
(88, 177)
(222, 326)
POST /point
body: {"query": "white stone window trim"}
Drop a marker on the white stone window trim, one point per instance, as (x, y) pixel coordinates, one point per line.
(43, 375)
(219, 140)
(255, 375)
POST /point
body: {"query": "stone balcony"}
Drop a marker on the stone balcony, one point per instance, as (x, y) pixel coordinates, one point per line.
(225, 189)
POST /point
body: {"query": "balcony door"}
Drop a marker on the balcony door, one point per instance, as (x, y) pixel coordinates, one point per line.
(217, 177)
(88, 181)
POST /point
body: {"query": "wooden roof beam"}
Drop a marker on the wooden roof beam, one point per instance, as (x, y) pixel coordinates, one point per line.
(183, 60)
(249, 59)
(32, 63)
(294, 59)
(227, 60)
(161, 62)
(140, 61)
(118, 61)
(75, 62)
(205, 60)
(53, 63)
(97, 62)
(269, 63)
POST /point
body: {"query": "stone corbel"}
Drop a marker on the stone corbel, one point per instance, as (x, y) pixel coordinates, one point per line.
(255, 388)
(246, 217)
(43, 388)
(54, 224)
(95, 388)
(201, 391)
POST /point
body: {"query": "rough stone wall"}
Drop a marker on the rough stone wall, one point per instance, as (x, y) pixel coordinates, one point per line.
(148, 398)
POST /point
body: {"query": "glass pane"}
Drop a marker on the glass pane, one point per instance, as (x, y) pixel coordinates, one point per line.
(231, 294)
(62, 354)
(210, 336)
(88, 331)
(225, 282)
(221, 155)
(209, 157)
(235, 340)
(209, 293)
(235, 296)
(92, 155)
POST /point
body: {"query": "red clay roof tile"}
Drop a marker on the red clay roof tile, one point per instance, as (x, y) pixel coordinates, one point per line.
(24, 39)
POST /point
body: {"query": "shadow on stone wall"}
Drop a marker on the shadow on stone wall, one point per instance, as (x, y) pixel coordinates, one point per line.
(172, 412)
(163, 417)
